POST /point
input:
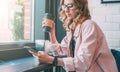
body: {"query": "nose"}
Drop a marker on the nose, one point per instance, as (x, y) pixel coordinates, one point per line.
(66, 9)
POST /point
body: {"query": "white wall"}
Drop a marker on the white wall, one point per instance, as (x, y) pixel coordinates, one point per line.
(107, 17)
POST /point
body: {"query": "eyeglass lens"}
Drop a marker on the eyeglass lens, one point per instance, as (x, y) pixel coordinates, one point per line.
(69, 6)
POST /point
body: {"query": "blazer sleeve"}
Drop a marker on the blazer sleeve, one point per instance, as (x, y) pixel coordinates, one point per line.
(86, 51)
(62, 49)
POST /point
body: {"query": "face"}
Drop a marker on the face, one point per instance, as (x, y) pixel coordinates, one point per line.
(70, 9)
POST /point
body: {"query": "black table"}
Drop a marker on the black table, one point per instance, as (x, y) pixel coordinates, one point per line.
(29, 64)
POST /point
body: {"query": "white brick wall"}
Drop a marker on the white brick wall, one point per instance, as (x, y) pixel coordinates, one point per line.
(107, 16)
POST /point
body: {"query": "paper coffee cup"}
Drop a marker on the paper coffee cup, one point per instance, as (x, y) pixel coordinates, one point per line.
(47, 28)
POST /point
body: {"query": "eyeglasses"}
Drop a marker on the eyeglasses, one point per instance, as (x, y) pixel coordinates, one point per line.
(69, 6)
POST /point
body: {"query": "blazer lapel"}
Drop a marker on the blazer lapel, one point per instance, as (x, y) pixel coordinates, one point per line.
(78, 37)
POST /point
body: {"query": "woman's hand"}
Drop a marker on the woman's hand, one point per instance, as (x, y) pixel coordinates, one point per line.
(48, 22)
(51, 24)
(44, 57)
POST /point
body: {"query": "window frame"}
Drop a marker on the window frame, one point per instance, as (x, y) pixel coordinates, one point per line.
(110, 1)
(21, 44)
(16, 46)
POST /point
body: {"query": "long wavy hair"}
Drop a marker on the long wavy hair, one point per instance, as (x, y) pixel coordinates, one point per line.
(81, 15)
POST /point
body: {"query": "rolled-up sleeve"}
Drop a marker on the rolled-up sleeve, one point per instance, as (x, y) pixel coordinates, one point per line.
(69, 64)
(62, 49)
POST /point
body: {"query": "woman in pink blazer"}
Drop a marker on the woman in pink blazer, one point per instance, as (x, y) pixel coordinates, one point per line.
(84, 43)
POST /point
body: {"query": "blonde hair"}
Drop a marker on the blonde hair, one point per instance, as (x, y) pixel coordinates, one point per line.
(82, 14)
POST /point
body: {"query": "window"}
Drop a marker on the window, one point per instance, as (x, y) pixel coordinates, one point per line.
(15, 21)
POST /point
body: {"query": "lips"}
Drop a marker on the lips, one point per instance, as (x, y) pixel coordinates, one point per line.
(68, 15)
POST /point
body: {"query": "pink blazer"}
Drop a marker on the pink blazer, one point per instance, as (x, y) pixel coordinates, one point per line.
(91, 50)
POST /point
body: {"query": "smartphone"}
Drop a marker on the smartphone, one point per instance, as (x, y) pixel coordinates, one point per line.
(31, 50)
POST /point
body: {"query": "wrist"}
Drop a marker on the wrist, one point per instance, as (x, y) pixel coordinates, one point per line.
(53, 37)
(50, 59)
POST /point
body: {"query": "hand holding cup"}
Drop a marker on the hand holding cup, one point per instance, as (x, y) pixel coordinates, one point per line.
(48, 22)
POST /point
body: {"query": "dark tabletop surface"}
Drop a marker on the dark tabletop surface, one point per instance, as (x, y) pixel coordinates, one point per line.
(28, 64)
